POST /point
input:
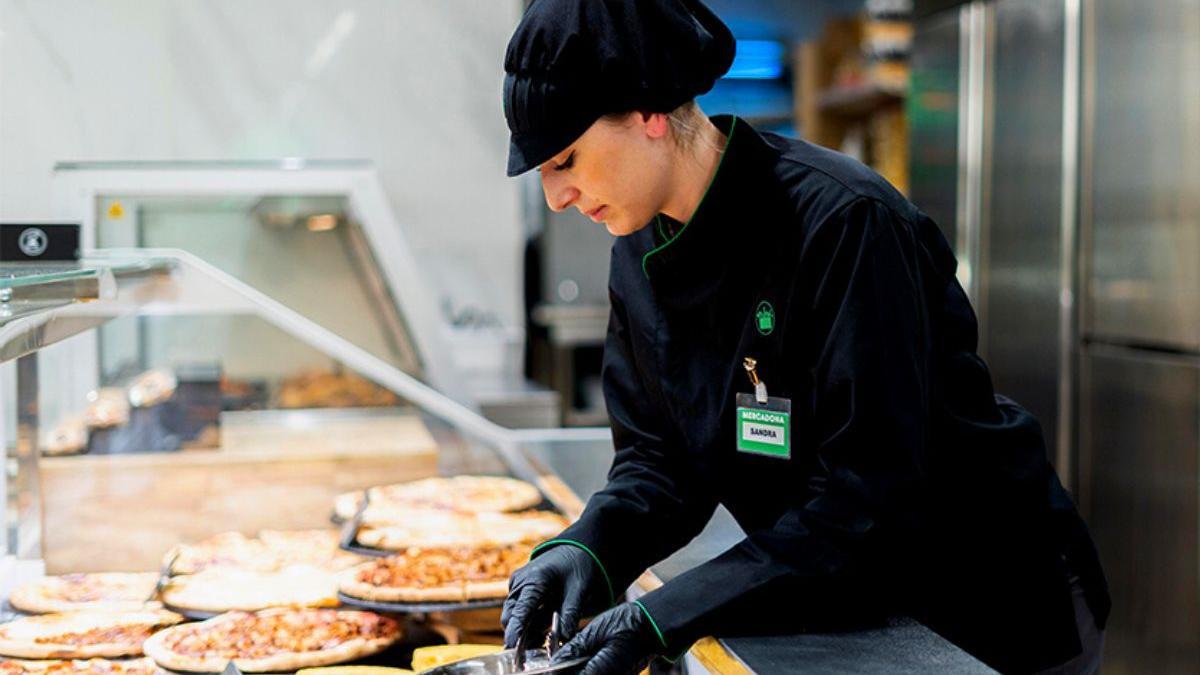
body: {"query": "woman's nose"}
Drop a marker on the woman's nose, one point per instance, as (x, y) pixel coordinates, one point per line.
(559, 196)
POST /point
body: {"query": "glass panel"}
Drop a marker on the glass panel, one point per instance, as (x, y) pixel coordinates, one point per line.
(304, 251)
(182, 431)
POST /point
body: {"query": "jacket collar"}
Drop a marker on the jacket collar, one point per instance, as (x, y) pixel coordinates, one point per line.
(687, 262)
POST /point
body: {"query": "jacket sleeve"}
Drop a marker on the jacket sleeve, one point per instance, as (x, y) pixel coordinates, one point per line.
(653, 502)
(869, 374)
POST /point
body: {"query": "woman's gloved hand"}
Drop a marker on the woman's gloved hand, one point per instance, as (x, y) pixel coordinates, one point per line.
(564, 579)
(621, 641)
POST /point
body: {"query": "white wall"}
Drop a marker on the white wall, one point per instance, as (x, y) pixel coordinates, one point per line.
(413, 85)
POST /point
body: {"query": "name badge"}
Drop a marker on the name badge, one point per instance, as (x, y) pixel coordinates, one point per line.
(764, 428)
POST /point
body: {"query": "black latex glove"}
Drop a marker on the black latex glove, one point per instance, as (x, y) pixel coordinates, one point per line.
(563, 579)
(620, 641)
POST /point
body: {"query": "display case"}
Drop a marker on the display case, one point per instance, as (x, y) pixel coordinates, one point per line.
(321, 237)
(133, 422)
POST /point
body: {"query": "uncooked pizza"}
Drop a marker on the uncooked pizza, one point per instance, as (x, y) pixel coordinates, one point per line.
(436, 575)
(449, 529)
(106, 591)
(222, 589)
(471, 494)
(273, 640)
(82, 635)
(81, 667)
(272, 550)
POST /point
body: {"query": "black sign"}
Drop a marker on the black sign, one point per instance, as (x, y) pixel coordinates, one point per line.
(39, 242)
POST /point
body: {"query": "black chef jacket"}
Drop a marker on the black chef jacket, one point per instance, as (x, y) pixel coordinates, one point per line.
(911, 487)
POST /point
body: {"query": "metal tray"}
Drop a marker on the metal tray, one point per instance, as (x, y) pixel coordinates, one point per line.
(418, 607)
(192, 614)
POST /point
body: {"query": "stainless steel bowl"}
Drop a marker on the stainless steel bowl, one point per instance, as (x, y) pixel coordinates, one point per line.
(537, 661)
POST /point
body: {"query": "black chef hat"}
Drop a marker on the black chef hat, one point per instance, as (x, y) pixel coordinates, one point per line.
(571, 62)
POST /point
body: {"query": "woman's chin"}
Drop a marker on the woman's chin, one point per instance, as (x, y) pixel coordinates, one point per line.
(620, 228)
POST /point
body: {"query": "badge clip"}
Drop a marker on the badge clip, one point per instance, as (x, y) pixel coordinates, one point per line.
(760, 387)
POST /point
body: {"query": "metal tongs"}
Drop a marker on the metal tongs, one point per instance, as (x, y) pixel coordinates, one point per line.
(350, 529)
(553, 642)
(164, 576)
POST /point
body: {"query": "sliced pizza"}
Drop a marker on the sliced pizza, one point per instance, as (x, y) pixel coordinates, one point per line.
(436, 575)
(82, 635)
(222, 589)
(471, 494)
(104, 591)
(448, 529)
(273, 640)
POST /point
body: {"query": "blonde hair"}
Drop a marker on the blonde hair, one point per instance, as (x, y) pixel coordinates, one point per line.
(685, 124)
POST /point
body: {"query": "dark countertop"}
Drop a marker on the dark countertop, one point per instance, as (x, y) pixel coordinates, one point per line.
(901, 646)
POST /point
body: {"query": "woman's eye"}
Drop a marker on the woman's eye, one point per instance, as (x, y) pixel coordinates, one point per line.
(567, 163)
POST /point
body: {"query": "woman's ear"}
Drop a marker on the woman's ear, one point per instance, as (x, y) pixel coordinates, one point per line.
(655, 124)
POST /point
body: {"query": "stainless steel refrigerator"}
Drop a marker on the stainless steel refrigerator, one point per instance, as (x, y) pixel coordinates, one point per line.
(1058, 144)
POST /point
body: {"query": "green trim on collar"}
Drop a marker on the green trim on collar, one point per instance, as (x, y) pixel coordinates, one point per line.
(720, 162)
(612, 596)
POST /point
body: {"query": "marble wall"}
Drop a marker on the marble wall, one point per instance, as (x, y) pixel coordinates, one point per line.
(413, 85)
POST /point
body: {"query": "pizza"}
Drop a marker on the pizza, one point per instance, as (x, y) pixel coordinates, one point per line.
(449, 529)
(273, 640)
(82, 635)
(107, 408)
(69, 437)
(271, 551)
(152, 387)
(472, 494)
(141, 666)
(436, 575)
(109, 591)
(221, 589)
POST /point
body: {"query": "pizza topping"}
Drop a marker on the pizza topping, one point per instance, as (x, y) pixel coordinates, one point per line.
(252, 636)
(271, 551)
(99, 587)
(437, 567)
(107, 635)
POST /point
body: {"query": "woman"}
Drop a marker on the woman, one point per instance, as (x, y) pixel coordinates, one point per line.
(787, 339)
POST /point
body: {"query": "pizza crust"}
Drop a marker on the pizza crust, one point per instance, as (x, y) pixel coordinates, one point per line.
(486, 590)
(123, 592)
(19, 638)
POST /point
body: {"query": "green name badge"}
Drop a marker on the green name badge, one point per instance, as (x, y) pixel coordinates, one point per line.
(764, 428)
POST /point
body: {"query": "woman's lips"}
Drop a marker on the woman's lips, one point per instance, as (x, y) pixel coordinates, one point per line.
(597, 212)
